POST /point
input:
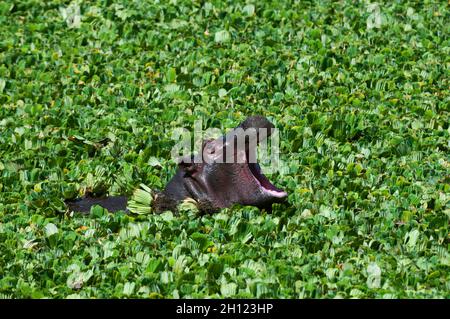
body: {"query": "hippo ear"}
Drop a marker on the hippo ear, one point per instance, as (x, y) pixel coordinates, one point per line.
(187, 164)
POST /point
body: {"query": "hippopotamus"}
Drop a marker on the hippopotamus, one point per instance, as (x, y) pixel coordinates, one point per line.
(222, 174)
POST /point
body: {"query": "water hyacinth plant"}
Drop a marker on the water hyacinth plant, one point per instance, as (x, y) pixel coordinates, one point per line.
(91, 91)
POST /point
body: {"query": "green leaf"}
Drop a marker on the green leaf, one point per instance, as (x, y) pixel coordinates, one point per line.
(373, 276)
(171, 75)
(411, 238)
(222, 36)
(249, 9)
(228, 289)
(50, 229)
(222, 93)
(128, 288)
(141, 201)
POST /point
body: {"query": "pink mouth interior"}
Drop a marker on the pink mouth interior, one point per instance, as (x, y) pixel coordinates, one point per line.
(262, 180)
(255, 170)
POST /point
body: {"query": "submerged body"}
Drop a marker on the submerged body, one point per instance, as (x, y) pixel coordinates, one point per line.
(224, 173)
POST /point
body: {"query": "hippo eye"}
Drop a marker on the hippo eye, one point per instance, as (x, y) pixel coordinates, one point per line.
(210, 149)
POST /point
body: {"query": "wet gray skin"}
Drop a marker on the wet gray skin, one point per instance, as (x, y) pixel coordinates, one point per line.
(223, 174)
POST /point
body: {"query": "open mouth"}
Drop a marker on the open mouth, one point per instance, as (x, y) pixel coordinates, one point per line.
(251, 132)
(264, 183)
(262, 180)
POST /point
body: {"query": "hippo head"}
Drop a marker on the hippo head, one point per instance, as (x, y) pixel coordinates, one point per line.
(225, 172)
